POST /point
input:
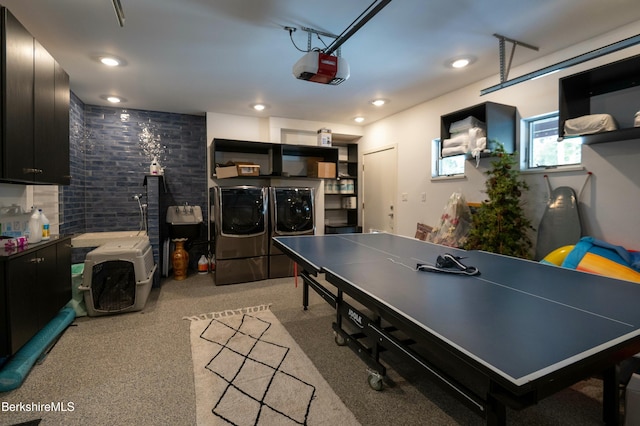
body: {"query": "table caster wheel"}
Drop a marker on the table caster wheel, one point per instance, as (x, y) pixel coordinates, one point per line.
(340, 341)
(375, 381)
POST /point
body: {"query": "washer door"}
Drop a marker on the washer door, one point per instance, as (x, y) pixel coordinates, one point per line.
(243, 211)
(293, 211)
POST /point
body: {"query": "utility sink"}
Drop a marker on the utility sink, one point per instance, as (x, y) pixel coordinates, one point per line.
(184, 221)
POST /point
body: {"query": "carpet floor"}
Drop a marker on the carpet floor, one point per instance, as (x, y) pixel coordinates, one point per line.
(136, 368)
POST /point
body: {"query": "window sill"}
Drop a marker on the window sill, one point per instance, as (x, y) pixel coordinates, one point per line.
(451, 177)
(556, 169)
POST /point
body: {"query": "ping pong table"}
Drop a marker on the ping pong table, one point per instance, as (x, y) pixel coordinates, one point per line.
(517, 332)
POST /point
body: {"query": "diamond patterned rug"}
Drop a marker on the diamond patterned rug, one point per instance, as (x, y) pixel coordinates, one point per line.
(249, 371)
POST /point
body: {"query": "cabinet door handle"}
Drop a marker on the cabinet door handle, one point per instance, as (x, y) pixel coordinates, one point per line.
(29, 171)
(36, 260)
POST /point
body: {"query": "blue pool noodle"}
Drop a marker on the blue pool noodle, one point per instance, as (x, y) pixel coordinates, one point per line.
(17, 367)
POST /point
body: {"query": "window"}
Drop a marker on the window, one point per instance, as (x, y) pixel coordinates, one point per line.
(543, 149)
(448, 166)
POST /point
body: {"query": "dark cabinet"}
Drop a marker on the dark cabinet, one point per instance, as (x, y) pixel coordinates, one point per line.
(35, 110)
(17, 97)
(51, 120)
(34, 286)
(612, 89)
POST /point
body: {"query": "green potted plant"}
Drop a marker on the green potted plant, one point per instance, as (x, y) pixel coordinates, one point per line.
(499, 224)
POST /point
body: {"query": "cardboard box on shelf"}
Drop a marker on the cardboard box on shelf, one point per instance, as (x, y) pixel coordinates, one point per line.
(237, 168)
(248, 169)
(226, 172)
(324, 137)
(317, 168)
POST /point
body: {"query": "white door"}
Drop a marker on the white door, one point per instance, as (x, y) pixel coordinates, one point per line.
(379, 190)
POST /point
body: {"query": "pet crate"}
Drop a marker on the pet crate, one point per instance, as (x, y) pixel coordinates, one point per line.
(118, 276)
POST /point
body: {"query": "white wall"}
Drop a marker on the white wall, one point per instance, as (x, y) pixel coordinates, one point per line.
(609, 204)
(27, 196)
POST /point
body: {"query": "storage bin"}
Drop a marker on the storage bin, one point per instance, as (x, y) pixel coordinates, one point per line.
(118, 276)
(320, 169)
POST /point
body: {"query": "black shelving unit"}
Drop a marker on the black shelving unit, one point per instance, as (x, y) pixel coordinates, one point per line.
(612, 89)
(347, 169)
(499, 119)
(272, 157)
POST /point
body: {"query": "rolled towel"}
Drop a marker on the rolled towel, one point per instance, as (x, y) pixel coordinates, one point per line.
(589, 124)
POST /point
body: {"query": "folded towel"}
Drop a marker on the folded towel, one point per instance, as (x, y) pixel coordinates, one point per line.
(464, 125)
(456, 150)
(589, 124)
(477, 132)
(461, 139)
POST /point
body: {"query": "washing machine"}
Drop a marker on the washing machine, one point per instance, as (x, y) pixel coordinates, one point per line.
(241, 234)
(292, 213)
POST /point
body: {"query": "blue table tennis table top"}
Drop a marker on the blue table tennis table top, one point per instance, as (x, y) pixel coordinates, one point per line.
(520, 319)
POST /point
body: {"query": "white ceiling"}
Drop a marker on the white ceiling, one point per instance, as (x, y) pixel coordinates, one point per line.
(197, 56)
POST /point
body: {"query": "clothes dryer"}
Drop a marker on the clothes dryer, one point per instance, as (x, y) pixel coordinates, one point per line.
(241, 234)
(292, 213)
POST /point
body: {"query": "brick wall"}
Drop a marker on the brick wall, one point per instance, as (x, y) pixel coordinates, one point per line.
(111, 150)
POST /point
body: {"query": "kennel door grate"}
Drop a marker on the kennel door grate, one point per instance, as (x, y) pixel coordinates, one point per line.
(113, 285)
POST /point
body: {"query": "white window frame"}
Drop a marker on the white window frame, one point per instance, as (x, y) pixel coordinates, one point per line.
(438, 164)
(527, 152)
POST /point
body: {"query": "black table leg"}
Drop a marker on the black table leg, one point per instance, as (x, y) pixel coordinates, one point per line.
(496, 412)
(305, 295)
(611, 396)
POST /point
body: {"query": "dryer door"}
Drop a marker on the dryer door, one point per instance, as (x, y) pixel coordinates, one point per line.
(243, 211)
(293, 210)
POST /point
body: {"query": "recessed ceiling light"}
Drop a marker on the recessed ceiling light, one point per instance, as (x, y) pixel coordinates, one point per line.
(379, 102)
(110, 61)
(259, 106)
(358, 119)
(113, 99)
(460, 61)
